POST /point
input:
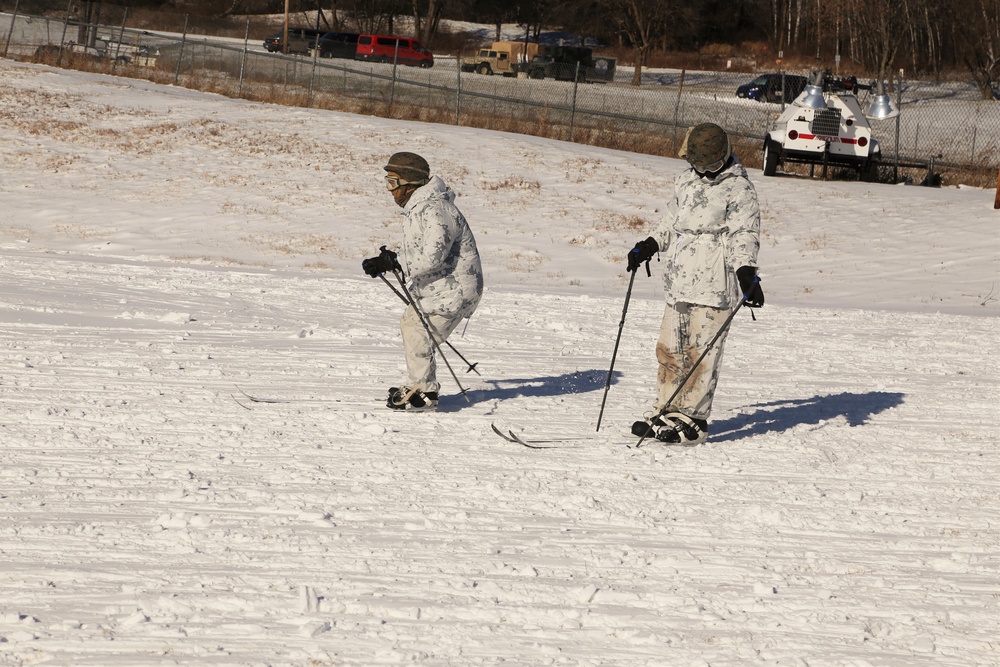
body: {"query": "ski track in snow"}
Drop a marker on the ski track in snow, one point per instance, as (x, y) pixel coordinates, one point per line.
(843, 513)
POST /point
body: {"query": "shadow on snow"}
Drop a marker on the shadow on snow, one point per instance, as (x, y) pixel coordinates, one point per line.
(554, 385)
(779, 416)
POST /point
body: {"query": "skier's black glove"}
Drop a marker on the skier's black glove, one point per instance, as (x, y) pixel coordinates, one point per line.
(642, 252)
(753, 294)
(385, 262)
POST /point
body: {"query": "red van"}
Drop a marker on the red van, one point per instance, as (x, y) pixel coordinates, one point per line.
(386, 49)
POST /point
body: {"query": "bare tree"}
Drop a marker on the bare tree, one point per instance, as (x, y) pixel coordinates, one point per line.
(530, 16)
(642, 23)
(879, 30)
(427, 19)
(333, 23)
(372, 16)
(982, 51)
(586, 18)
(237, 7)
(491, 12)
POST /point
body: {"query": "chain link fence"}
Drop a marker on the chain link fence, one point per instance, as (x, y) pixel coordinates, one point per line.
(943, 127)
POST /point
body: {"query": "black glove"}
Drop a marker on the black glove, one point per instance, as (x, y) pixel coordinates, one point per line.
(753, 294)
(385, 262)
(642, 252)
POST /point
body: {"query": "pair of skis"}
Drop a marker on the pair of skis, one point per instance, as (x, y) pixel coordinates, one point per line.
(511, 436)
(246, 400)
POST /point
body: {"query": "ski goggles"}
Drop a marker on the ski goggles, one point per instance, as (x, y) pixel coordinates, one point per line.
(393, 182)
(711, 168)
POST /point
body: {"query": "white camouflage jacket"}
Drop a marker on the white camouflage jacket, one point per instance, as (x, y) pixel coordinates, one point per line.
(710, 229)
(439, 253)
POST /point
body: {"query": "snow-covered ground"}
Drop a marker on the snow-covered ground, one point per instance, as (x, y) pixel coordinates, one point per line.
(162, 249)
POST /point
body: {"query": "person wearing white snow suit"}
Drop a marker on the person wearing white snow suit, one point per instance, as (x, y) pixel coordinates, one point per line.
(439, 257)
(709, 238)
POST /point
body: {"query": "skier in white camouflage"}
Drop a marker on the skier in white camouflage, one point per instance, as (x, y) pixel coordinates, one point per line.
(709, 236)
(439, 257)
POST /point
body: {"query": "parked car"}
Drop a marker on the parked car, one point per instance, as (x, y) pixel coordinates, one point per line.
(300, 40)
(387, 49)
(768, 88)
(338, 45)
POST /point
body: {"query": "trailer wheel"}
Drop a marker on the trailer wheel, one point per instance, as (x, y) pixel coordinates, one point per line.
(869, 173)
(536, 74)
(772, 151)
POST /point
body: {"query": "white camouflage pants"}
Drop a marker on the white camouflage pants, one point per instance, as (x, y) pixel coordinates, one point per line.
(686, 331)
(421, 365)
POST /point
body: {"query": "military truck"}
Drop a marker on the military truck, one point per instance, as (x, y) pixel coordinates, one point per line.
(500, 58)
(561, 63)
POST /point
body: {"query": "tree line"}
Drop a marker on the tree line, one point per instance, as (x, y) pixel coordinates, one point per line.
(926, 37)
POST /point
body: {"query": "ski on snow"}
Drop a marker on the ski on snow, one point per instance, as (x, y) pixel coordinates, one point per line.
(510, 436)
(244, 396)
(565, 443)
(547, 443)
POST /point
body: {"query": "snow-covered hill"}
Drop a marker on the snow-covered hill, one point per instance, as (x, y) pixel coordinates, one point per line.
(162, 250)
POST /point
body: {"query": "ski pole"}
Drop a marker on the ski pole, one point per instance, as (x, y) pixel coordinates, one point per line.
(423, 320)
(471, 366)
(711, 344)
(621, 325)
(614, 355)
(394, 290)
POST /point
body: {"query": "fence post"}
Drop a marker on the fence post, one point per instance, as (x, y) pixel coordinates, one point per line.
(996, 202)
(458, 89)
(180, 54)
(62, 40)
(783, 89)
(121, 36)
(312, 73)
(10, 33)
(572, 113)
(677, 107)
(899, 106)
(392, 88)
(243, 61)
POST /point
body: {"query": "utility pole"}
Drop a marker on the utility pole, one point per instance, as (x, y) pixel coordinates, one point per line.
(284, 39)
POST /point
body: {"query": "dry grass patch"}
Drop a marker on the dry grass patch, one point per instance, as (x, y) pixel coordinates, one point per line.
(525, 261)
(617, 223)
(511, 183)
(293, 246)
(817, 242)
(222, 261)
(81, 232)
(16, 233)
